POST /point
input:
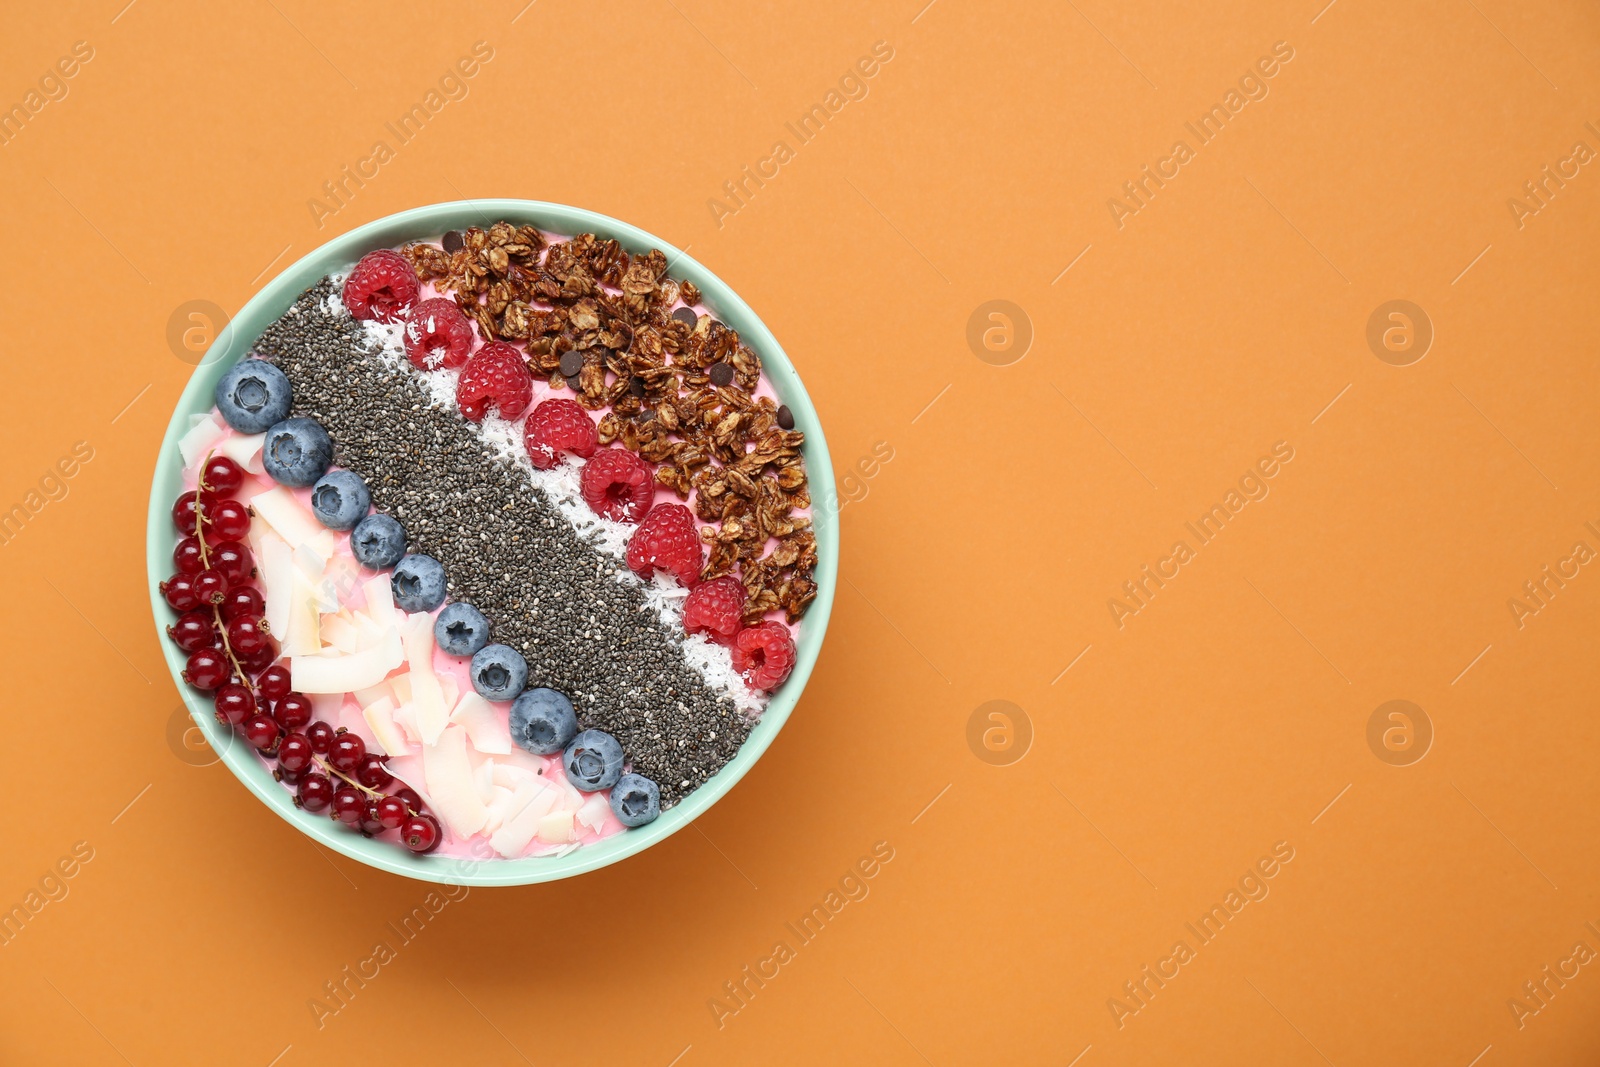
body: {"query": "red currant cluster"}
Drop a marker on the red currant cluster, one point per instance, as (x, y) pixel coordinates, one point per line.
(233, 656)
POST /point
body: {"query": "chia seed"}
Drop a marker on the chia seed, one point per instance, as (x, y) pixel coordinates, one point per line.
(508, 552)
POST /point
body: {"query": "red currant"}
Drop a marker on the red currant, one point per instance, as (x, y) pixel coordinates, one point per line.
(208, 668)
(349, 805)
(370, 824)
(193, 631)
(222, 475)
(211, 586)
(247, 635)
(347, 753)
(373, 771)
(274, 682)
(293, 711)
(315, 792)
(234, 561)
(262, 733)
(421, 833)
(261, 660)
(234, 704)
(185, 511)
(391, 812)
(294, 753)
(321, 735)
(243, 600)
(186, 556)
(408, 796)
(179, 592)
(230, 519)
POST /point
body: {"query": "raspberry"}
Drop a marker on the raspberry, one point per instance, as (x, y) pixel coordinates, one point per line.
(764, 654)
(383, 286)
(714, 608)
(666, 539)
(618, 484)
(559, 425)
(437, 335)
(495, 377)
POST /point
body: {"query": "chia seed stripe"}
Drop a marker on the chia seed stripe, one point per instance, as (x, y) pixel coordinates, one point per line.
(546, 592)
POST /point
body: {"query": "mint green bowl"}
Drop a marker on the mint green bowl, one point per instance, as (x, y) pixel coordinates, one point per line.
(339, 255)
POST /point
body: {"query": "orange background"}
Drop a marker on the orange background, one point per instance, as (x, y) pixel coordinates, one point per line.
(1227, 314)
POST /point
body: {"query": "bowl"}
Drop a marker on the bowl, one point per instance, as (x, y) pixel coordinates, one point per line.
(340, 254)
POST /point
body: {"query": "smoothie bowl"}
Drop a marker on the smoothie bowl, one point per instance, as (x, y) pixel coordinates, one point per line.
(492, 542)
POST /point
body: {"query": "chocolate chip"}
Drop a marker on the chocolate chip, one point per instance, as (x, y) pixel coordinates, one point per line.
(571, 362)
(454, 241)
(636, 386)
(721, 374)
(572, 383)
(785, 417)
(686, 316)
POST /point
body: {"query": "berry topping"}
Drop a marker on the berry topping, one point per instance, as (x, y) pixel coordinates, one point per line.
(262, 733)
(391, 812)
(340, 499)
(247, 635)
(559, 425)
(210, 586)
(186, 556)
(378, 541)
(193, 631)
(321, 736)
(666, 540)
(293, 710)
(635, 800)
(349, 805)
(764, 654)
(178, 591)
(593, 761)
(294, 753)
(274, 682)
(315, 792)
(497, 377)
(297, 451)
(498, 672)
(418, 583)
(543, 722)
(226, 520)
(185, 513)
(347, 753)
(234, 704)
(382, 286)
(235, 563)
(460, 630)
(437, 334)
(253, 395)
(618, 484)
(243, 600)
(421, 833)
(221, 475)
(715, 608)
(208, 668)
(373, 772)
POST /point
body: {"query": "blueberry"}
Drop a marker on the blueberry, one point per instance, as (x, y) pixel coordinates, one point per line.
(340, 499)
(253, 395)
(378, 541)
(635, 799)
(498, 672)
(460, 630)
(418, 582)
(593, 761)
(297, 451)
(542, 721)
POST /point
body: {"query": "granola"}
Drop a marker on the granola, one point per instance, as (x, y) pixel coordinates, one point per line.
(681, 395)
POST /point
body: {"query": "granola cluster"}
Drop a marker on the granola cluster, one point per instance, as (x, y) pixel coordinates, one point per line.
(676, 389)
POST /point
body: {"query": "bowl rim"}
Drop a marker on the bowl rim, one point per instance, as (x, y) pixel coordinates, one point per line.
(341, 252)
